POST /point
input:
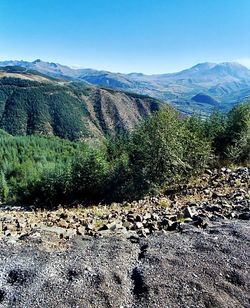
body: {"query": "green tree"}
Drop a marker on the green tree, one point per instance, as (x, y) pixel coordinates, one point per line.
(4, 189)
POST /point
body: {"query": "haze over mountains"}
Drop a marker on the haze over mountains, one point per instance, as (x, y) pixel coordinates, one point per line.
(200, 88)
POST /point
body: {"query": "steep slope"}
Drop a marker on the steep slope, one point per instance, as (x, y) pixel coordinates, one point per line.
(226, 83)
(33, 104)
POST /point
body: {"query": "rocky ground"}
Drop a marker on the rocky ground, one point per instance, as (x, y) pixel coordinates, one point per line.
(218, 195)
(186, 248)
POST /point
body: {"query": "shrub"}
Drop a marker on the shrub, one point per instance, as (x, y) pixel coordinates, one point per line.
(89, 175)
(238, 133)
(165, 148)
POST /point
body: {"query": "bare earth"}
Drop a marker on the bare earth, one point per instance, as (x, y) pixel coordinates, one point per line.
(191, 268)
(188, 248)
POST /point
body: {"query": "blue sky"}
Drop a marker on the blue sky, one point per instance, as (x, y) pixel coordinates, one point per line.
(150, 36)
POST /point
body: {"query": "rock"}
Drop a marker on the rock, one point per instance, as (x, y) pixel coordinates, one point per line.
(208, 171)
(62, 223)
(142, 233)
(138, 225)
(81, 230)
(63, 216)
(164, 223)
(138, 217)
(134, 238)
(155, 217)
(172, 226)
(7, 233)
(198, 221)
(213, 208)
(207, 191)
(244, 216)
(187, 212)
(172, 217)
(128, 225)
(115, 225)
(89, 227)
(147, 216)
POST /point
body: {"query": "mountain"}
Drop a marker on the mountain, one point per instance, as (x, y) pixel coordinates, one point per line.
(33, 103)
(203, 98)
(226, 83)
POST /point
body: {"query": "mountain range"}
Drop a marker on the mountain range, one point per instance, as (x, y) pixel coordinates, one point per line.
(34, 103)
(199, 89)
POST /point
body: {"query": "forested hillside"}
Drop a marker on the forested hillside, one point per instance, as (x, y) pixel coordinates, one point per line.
(33, 104)
(162, 150)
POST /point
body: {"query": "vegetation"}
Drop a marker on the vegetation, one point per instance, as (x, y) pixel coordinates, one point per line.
(164, 148)
(72, 111)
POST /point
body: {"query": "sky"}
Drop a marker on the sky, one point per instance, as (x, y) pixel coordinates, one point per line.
(148, 36)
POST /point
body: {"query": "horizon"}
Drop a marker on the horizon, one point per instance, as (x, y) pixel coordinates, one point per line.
(155, 37)
(134, 72)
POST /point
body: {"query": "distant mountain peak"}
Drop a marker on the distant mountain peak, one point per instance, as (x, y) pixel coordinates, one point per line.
(134, 74)
(203, 66)
(37, 61)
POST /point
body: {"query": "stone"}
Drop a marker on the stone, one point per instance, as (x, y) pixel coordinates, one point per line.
(138, 225)
(115, 225)
(63, 215)
(81, 230)
(173, 226)
(134, 238)
(244, 216)
(62, 223)
(147, 216)
(128, 225)
(103, 228)
(207, 191)
(164, 222)
(213, 208)
(89, 226)
(198, 221)
(155, 217)
(187, 212)
(7, 233)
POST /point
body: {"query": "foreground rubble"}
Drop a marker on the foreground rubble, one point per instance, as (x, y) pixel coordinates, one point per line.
(186, 248)
(218, 195)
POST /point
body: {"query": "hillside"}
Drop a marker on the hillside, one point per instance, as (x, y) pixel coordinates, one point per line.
(226, 83)
(33, 103)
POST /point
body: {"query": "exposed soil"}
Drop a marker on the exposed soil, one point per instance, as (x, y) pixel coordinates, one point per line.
(188, 248)
(192, 268)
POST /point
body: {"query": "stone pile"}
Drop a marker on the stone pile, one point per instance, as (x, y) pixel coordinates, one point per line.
(217, 195)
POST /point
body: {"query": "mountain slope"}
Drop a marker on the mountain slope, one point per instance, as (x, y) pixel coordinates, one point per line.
(226, 83)
(31, 103)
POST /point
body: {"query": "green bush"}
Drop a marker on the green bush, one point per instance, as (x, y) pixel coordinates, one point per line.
(165, 148)
(238, 133)
(230, 133)
(89, 175)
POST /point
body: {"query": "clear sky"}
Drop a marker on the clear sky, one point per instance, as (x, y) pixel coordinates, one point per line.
(149, 36)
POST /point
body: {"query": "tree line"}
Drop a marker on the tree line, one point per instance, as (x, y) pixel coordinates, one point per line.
(166, 147)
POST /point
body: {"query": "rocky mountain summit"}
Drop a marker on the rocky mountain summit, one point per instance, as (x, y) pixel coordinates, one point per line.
(186, 248)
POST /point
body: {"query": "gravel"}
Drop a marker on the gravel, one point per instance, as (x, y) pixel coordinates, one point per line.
(192, 268)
